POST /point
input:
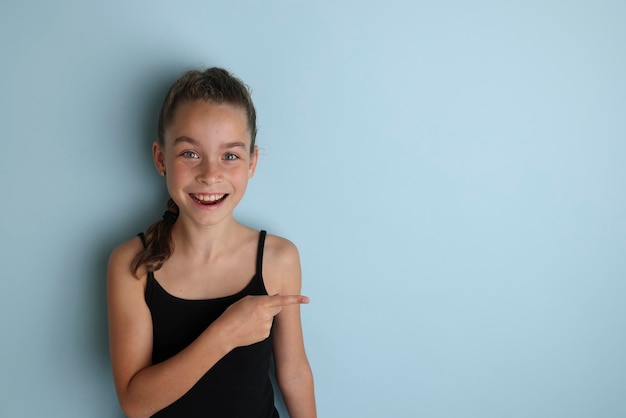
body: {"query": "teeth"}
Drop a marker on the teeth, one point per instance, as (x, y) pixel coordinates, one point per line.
(208, 197)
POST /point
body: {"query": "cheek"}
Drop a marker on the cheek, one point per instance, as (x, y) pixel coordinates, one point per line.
(239, 178)
(237, 172)
(175, 178)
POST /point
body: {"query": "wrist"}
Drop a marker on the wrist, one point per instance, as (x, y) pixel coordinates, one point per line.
(218, 335)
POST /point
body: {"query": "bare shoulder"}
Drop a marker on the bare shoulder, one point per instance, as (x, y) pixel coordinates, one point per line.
(281, 266)
(281, 253)
(120, 260)
(122, 256)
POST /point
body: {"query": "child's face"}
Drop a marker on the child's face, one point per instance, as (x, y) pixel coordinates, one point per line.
(207, 160)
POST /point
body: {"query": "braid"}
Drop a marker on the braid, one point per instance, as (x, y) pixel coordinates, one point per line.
(158, 242)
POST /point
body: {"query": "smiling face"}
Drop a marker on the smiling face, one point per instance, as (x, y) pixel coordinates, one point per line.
(207, 160)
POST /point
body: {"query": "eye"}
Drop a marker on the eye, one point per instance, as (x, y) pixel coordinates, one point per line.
(230, 156)
(190, 154)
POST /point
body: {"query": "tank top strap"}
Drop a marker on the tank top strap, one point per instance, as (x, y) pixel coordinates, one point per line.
(259, 255)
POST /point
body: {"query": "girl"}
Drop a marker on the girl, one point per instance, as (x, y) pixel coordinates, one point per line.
(191, 334)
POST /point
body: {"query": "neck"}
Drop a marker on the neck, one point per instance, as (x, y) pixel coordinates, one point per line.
(203, 241)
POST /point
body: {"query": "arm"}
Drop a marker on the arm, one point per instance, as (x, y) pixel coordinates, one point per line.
(143, 388)
(293, 372)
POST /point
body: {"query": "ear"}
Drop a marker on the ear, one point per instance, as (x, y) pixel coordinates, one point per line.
(254, 158)
(158, 155)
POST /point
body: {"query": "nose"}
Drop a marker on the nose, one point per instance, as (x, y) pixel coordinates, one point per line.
(209, 172)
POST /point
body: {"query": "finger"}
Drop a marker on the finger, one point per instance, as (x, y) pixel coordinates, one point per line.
(284, 300)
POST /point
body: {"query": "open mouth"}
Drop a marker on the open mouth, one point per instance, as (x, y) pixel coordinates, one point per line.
(208, 199)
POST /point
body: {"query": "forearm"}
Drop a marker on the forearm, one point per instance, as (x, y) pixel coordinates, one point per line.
(157, 386)
(298, 393)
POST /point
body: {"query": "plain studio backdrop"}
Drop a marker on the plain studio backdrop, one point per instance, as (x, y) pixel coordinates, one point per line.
(452, 172)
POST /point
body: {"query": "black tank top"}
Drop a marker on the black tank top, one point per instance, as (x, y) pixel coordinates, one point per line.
(238, 385)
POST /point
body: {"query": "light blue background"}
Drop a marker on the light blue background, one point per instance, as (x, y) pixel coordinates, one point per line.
(453, 174)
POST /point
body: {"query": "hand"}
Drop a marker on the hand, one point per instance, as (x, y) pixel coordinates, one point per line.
(249, 320)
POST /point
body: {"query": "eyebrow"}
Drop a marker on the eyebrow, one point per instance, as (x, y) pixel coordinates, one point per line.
(182, 139)
(234, 144)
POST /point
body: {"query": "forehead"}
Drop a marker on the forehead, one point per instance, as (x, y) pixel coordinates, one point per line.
(201, 120)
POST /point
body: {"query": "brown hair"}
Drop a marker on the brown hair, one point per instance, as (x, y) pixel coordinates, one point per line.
(214, 85)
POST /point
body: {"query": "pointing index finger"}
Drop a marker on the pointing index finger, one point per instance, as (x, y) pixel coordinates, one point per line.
(284, 300)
